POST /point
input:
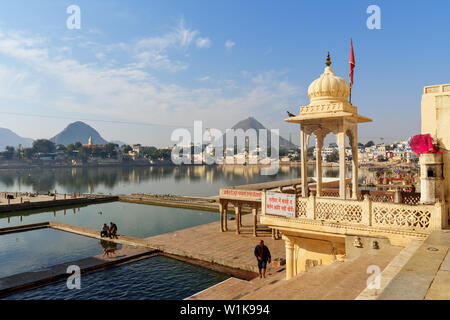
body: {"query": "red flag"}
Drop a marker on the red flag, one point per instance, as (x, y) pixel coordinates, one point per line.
(352, 62)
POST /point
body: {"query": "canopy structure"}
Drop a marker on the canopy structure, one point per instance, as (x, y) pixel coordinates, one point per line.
(329, 111)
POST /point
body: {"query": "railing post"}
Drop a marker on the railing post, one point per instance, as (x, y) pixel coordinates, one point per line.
(311, 207)
(398, 196)
(263, 202)
(366, 211)
(439, 218)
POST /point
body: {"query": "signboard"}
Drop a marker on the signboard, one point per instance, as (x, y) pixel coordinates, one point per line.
(236, 194)
(280, 204)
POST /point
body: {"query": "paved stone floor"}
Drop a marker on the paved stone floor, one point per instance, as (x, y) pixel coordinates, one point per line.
(426, 275)
(39, 198)
(207, 243)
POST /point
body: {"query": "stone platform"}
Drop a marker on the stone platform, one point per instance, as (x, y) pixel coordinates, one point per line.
(207, 243)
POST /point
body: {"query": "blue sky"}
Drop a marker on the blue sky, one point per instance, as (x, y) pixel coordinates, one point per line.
(173, 62)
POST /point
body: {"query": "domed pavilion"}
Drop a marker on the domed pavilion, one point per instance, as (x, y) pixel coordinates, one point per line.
(329, 111)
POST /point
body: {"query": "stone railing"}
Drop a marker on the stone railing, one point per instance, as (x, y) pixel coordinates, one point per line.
(417, 217)
(377, 196)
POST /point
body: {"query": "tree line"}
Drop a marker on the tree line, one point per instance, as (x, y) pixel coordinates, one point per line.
(79, 151)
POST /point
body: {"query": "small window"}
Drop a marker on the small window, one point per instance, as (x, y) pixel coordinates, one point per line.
(431, 173)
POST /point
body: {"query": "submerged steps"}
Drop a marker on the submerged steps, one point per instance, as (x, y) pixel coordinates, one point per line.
(28, 280)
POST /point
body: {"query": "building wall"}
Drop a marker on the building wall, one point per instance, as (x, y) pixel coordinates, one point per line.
(436, 121)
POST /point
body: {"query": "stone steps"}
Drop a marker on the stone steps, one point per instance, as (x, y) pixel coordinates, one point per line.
(341, 280)
(234, 289)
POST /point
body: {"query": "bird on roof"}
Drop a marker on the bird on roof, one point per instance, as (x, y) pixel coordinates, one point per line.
(290, 114)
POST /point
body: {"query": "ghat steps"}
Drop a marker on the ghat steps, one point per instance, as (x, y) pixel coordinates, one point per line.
(340, 280)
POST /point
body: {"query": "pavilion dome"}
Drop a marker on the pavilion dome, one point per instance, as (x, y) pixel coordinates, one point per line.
(329, 86)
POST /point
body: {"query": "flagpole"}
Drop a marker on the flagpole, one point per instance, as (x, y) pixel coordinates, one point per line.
(350, 96)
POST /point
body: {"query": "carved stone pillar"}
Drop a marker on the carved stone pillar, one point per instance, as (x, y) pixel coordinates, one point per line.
(342, 173)
(304, 150)
(355, 177)
(319, 145)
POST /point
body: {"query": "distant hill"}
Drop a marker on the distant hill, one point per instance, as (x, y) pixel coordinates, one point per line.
(9, 138)
(252, 123)
(78, 132)
(118, 142)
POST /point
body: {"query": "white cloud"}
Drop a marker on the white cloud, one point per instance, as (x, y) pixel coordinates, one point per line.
(229, 44)
(203, 43)
(204, 79)
(129, 92)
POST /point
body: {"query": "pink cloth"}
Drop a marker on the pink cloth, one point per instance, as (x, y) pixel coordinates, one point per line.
(422, 143)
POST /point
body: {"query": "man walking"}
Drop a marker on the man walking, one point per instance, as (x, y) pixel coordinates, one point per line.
(262, 253)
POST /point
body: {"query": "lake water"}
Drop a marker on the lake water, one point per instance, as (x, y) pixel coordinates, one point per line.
(136, 220)
(182, 180)
(153, 278)
(39, 249)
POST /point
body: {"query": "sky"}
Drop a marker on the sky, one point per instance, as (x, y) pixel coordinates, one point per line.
(137, 70)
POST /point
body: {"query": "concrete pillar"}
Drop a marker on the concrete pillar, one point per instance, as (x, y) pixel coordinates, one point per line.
(263, 203)
(237, 213)
(319, 145)
(221, 216)
(289, 258)
(304, 150)
(342, 173)
(255, 219)
(225, 218)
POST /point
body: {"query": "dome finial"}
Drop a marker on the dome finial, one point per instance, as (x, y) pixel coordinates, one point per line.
(328, 63)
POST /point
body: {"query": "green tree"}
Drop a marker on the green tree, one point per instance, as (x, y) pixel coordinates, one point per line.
(28, 153)
(110, 150)
(369, 144)
(333, 157)
(43, 146)
(70, 148)
(9, 153)
(84, 153)
(126, 148)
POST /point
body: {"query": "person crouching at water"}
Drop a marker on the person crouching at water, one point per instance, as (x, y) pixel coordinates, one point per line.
(113, 230)
(262, 253)
(105, 231)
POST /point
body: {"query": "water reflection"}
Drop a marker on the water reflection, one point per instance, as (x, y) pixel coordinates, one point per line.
(184, 180)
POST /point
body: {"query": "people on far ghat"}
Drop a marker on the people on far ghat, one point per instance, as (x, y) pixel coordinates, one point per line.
(105, 231)
(113, 230)
(262, 253)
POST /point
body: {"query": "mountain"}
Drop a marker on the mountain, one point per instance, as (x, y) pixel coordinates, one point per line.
(118, 142)
(9, 138)
(252, 123)
(78, 132)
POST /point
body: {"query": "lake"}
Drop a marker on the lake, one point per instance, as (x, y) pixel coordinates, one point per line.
(182, 180)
